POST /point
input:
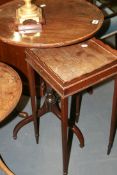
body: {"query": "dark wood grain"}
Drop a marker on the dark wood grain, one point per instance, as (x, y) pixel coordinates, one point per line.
(74, 68)
(13, 55)
(69, 70)
(67, 22)
(4, 1)
(54, 36)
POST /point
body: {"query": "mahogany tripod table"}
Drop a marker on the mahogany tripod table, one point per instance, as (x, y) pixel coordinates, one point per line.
(67, 22)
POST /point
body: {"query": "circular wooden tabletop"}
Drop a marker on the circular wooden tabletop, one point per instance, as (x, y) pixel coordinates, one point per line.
(67, 22)
(10, 90)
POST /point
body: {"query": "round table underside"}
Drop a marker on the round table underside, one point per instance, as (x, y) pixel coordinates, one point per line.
(67, 22)
(10, 90)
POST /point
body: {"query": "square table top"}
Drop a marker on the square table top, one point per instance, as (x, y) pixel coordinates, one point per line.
(73, 64)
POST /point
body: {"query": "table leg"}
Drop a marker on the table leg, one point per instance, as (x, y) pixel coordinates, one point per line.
(79, 100)
(113, 118)
(64, 126)
(50, 105)
(31, 78)
(33, 117)
(78, 105)
(73, 129)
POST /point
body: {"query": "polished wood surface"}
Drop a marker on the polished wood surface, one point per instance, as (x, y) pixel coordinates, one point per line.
(89, 63)
(67, 22)
(10, 90)
(67, 67)
(15, 55)
(4, 1)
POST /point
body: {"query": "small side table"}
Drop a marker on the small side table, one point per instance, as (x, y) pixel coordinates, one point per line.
(69, 70)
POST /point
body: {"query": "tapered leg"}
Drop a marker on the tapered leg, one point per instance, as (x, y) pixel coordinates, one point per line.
(72, 121)
(79, 101)
(50, 105)
(73, 129)
(31, 78)
(113, 118)
(64, 126)
(78, 105)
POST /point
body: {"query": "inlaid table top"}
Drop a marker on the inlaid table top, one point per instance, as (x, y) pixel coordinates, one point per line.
(71, 69)
(10, 90)
(67, 22)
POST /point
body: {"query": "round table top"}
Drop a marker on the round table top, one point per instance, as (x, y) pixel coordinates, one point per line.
(67, 22)
(10, 90)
